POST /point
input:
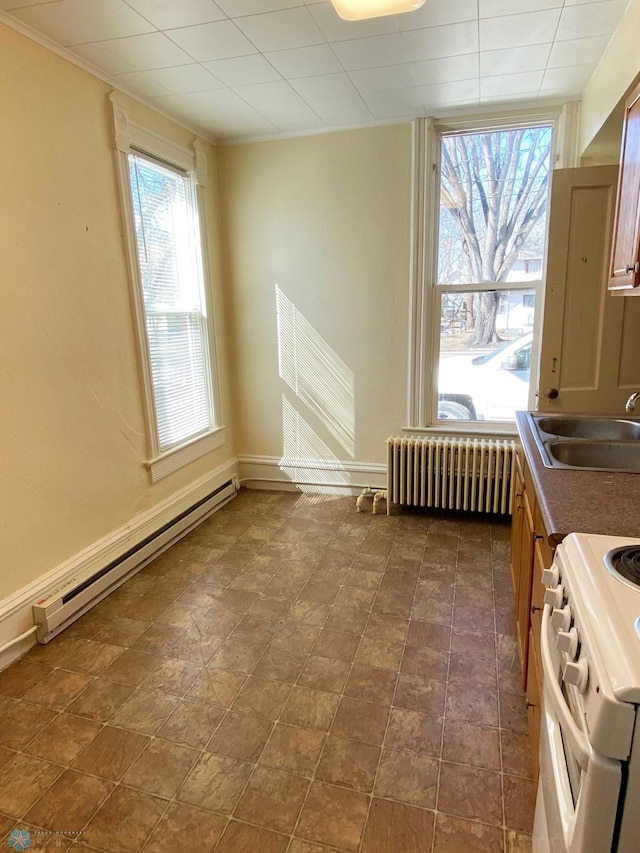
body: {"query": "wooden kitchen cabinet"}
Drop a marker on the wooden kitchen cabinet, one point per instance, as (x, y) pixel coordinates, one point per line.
(624, 274)
(542, 559)
(531, 553)
(534, 703)
(521, 562)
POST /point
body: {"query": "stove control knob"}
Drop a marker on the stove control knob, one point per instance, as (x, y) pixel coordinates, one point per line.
(551, 576)
(567, 641)
(577, 673)
(554, 596)
(561, 617)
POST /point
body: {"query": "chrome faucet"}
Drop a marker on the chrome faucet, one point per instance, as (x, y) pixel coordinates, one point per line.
(630, 405)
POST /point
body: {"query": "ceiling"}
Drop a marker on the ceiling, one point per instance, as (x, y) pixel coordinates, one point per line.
(247, 69)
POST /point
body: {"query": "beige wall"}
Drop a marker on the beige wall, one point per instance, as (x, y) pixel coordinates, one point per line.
(71, 419)
(324, 222)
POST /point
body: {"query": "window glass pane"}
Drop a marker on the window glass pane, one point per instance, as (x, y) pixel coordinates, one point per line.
(167, 237)
(493, 205)
(489, 382)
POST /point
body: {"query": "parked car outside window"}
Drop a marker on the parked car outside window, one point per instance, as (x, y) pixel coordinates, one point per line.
(491, 386)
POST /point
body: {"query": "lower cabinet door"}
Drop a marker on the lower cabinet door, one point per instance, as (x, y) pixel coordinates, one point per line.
(534, 702)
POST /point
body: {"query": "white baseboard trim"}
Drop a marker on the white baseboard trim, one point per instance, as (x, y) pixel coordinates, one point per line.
(15, 611)
(331, 476)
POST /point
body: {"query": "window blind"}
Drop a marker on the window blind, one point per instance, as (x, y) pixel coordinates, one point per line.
(168, 243)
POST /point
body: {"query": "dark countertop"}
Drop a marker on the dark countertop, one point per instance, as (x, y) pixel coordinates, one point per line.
(581, 501)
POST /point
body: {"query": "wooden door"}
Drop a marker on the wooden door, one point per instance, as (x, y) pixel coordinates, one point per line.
(590, 351)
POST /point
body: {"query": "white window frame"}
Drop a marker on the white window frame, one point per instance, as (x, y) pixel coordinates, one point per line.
(425, 292)
(133, 138)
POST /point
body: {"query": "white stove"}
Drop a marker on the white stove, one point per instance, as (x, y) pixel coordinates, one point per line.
(589, 791)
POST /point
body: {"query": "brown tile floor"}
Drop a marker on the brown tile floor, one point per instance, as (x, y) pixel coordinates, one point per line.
(292, 676)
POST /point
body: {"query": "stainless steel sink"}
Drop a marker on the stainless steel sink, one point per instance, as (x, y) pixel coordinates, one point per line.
(596, 455)
(587, 442)
(609, 429)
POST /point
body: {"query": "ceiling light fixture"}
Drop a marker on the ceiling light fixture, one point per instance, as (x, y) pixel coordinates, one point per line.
(357, 10)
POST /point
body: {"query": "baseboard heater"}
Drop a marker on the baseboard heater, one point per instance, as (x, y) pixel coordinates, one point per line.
(66, 604)
(476, 475)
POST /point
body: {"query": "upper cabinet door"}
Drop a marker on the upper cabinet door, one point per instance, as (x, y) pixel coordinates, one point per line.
(625, 255)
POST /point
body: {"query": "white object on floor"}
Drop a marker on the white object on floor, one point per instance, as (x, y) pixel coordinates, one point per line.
(378, 495)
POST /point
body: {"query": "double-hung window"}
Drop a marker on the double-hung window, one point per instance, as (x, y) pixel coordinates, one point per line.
(480, 234)
(160, 184)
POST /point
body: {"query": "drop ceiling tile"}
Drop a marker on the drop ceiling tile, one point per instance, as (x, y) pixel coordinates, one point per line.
(401, 103)
(497, 8)
(436, 13)
(305, 62)
(502, 99)
(577, 51)
(71, 22)
(218, 40)
(137, 53)
(312, 124)
(568, 80)
(244, 70)
(107, 58)
(436, 42)
(371, 52)
(222, 101)
(445, 70)
(281, 30)
(335, 28)
(239, 128)
(277, 102)
(141, 83)
(8, 5)
(222, 108)
(270, 96)
(223, 115)
(384, 79)
(324, 86)
(422, 100)
(624, 3)
(345, 110)
(175, 105)
(292, 119)
(240, 8)
(589, 19)
(186, 13)
(186, 78)
(532, 57)
(462, 93)
(511, 84)
(510, 30)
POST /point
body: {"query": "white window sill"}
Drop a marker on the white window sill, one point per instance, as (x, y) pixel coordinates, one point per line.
(178, 457)
(478, 429)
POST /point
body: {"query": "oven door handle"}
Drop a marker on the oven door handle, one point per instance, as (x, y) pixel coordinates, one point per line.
(579, 743)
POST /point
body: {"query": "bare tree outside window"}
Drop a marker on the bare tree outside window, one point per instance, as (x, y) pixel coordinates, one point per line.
(494, 191)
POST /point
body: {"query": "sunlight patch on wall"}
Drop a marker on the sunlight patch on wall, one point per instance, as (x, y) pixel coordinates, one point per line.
(316, 374)
(304, 452)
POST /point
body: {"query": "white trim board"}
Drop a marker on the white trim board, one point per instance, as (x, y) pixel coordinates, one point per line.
(15, 611)
(332, 476)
